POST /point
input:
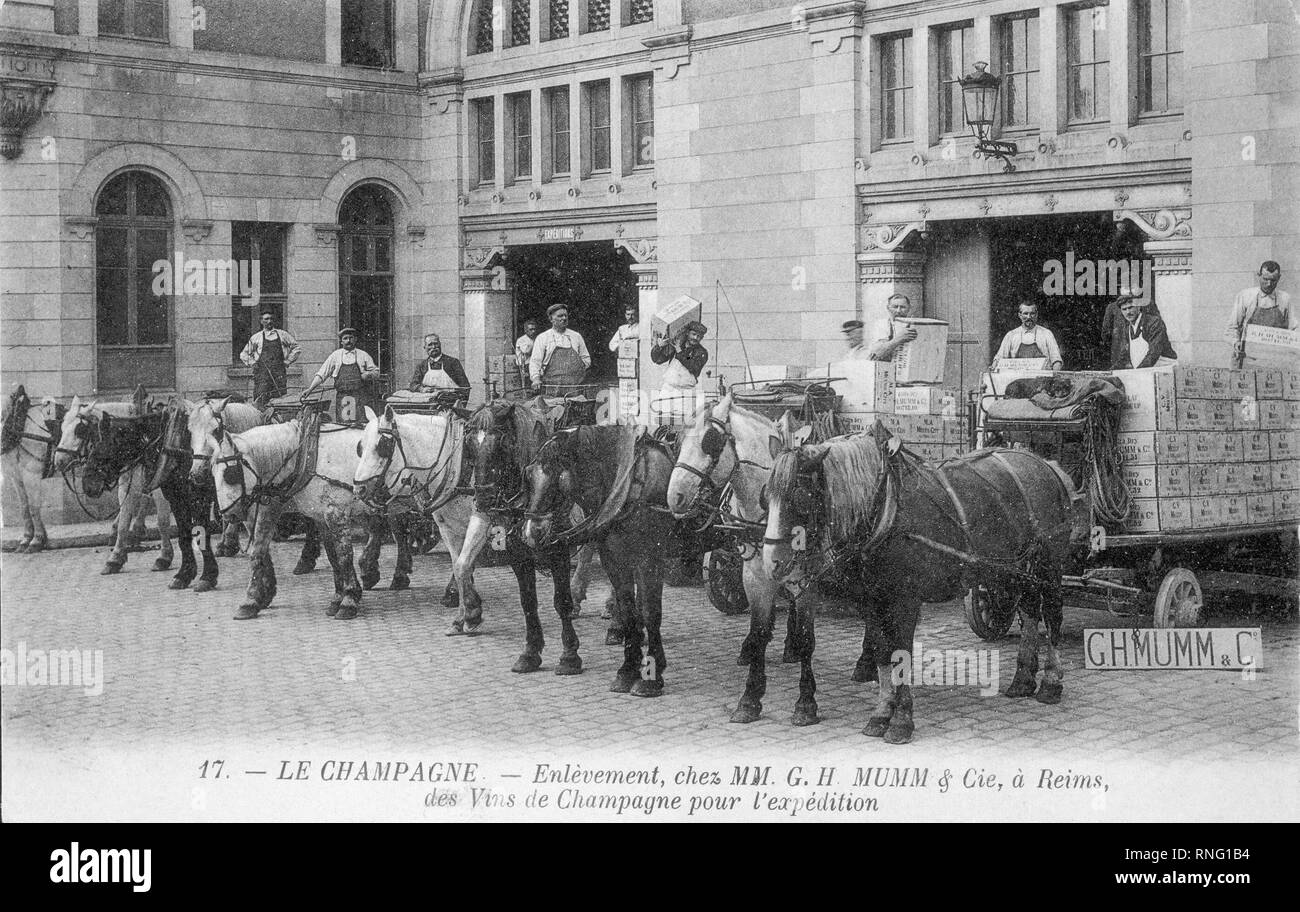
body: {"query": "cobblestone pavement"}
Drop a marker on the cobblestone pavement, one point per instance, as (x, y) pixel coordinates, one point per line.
(179, 673)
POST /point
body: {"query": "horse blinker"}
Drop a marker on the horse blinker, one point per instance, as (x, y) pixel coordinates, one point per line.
(233, 473)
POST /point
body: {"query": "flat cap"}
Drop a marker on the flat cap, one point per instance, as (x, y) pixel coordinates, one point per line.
(550, 311)
(850, 325)
(347, 331)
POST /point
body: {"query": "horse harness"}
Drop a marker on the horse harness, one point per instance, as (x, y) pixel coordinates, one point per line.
(389, 445)
(265, 492)
(14, 435)
(713, 444)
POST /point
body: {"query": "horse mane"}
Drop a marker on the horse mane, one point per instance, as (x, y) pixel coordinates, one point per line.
(267, 446)
(850, 471)
(241, 416)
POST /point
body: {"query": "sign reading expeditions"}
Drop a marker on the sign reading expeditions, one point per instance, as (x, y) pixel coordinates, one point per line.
(569, 233)
(1183, 649)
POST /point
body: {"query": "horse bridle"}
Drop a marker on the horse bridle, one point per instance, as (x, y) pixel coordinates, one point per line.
(387, 447)
(79, 454)
(237, 462)
(704, 500)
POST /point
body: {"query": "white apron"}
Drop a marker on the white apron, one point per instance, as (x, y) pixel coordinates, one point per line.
(438, 379)
(1137, 349)
(676, 401)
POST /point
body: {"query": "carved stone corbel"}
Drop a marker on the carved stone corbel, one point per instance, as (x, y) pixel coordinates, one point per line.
(81, 226)
(25, 83)
(444, 89)
(327, 235)
(1159, 224)
(483, 257)
(889, 236)
(643, 250)
(670, 50)
(415, 235)
(196, 231)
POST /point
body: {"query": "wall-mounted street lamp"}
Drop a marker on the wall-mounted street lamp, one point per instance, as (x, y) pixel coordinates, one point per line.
(979, 101)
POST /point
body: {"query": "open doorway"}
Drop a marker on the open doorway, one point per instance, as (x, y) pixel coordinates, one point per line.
(1023, 251)
(592, 278)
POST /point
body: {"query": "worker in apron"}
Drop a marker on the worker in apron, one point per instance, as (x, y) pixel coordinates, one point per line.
(1029, 340)
(439, 372)
(560, 358)
(269, 352)
(351, 369)
(1264, 305)
(685, 358)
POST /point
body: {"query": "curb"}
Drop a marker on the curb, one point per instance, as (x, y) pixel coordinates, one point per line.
(92, 540)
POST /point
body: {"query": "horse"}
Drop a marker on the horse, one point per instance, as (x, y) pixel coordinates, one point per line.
(619, 478)
(503, 438)
(410, 464)
(914, 533)
(261, 471)
(30, 433)
(727, 446)
(121, 436)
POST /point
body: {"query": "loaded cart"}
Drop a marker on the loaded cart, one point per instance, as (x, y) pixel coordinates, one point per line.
(1189, 483)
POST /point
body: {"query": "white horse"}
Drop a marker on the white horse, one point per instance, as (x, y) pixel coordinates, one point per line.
(251, 472)
(729, 445)
(413, 462)
(84, 425)
(27, 443)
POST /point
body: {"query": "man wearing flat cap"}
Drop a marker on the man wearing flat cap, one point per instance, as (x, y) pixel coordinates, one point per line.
(852, 330)
(685, 357)
(348, 366)
(560, 358)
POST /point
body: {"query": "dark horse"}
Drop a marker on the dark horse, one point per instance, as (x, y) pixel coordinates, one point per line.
(914, 533)
(620, 480)
(503, 437)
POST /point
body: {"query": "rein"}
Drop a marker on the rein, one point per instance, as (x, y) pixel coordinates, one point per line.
(407, 475)
(717, 510)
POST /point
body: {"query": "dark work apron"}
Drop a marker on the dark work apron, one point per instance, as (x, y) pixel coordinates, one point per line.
(1268, 316)
(348, 382)
(1030, 351)
(269, 374)
(563, 373)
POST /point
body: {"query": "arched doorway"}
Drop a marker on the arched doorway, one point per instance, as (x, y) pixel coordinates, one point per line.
(366, 273)
(133, 331)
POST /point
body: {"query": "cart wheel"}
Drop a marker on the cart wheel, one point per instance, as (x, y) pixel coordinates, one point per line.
(1179, 601)
(726, 582)
(989, 612)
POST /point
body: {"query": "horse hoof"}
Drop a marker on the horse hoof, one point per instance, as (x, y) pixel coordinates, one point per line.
(746, 713)
(345, 613)
(576, 610)
(302, 568)
(110, 569)
(1021, 689)
(399, 583)
(333, 609)
(35, 547)
(451, 600)
(607, 612)
(162, 564)
(804, 716)
(455, 629)
(178, 583)
(246, 613)
(613, 638)
(527, 662)
(473, 629)
(863, 674)
(899, 734)
(644, 688)
(204, 585)
(368, 581)
(876, 727)
(623, 682)
(1049, 693)
(569, 665)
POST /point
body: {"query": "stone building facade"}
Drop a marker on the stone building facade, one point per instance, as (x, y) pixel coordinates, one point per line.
(454, 165)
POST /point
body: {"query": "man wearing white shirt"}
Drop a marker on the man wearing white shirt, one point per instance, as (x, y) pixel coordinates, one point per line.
(524, 348)
(269, 352)
(886, 338)
(630, 331)
(1262, 305)
(348, 366)
(560, 358)
(1029, 340)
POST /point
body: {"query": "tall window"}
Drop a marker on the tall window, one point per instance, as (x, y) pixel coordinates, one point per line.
(556, 107)
(520, 111)
(483, 122)
(134, 18)
(520, 23)
(263, 244)
(366, 271)
(557, 20)
(134, 282)
(595, 96)
(956, 44)
(1087, 56)
(480, 41)
(597, 15)
(895, 87)
(1018, 63)
(1160, 52)
(368, 33)
(639, 91)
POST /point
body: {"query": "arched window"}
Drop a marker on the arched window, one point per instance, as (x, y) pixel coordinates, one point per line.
(133, 295)
(366, 271)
